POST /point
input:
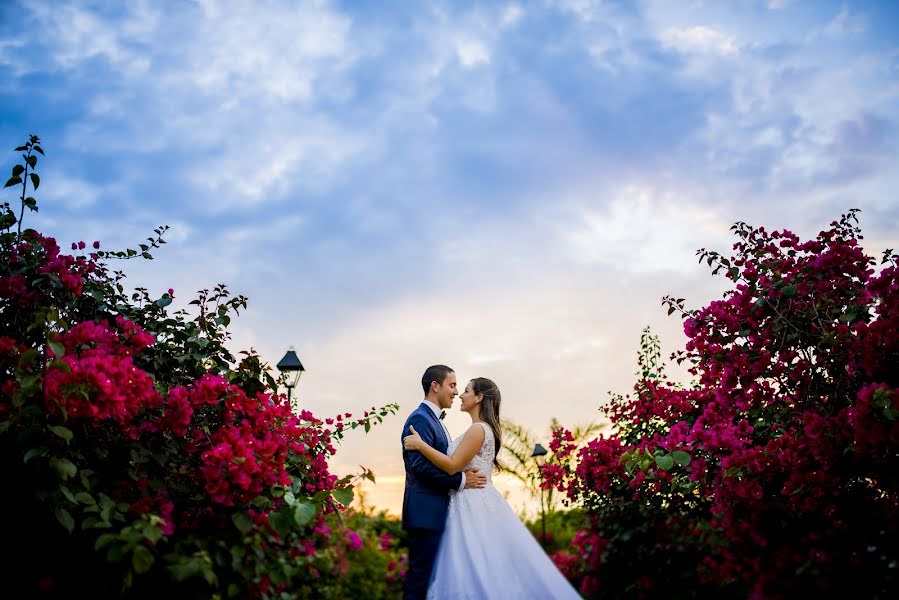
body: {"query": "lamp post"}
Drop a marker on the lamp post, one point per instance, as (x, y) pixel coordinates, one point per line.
(291, 368)
(538, 455)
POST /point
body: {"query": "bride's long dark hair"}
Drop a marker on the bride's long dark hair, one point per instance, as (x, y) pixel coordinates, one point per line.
(490, 411)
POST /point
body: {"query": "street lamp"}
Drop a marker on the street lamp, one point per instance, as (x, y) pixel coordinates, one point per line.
(538, 454)
(291, 368)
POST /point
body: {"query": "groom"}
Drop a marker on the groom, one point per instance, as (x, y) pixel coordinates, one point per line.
(426, 497)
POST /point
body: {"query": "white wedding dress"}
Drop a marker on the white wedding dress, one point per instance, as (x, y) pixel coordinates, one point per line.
(486, 551)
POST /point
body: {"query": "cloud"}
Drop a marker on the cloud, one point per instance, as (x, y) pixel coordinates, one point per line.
(845, 24)
(471, 52)
(646, 230)
(71, 192)
(181, 89)
(76, 36)
(699, 39)
(512, 13)
(510, 188)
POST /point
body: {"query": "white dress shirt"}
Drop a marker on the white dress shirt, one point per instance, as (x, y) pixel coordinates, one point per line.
(436, 410)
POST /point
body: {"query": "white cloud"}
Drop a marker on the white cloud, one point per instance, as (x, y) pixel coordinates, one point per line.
(588, 11)
(511, 15)
(278, 55)
(544, 290)
(471, 52)
(307, 157)
(699, 39)
(15, 66)
(845, 24)
(646, 230)
(70, 192)
(278, 230)
(76, 35)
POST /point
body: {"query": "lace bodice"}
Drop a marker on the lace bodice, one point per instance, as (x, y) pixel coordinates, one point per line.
(483, 460)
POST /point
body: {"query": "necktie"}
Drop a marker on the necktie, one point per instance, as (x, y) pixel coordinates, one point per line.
(442, 414)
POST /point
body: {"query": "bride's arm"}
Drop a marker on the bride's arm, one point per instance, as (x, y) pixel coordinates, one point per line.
(465, 451)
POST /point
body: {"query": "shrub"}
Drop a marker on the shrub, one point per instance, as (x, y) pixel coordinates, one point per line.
(145, 458)
(775, 471)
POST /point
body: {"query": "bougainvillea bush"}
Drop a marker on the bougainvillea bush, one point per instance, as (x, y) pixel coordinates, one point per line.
(776, 471)
(141, 457)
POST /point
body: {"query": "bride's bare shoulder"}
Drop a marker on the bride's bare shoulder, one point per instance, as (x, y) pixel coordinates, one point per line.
(475, 432)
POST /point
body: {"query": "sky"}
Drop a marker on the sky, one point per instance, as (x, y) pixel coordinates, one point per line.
(508, 188)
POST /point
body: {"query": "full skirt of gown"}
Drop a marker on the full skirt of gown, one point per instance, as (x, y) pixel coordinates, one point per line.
(488, 553)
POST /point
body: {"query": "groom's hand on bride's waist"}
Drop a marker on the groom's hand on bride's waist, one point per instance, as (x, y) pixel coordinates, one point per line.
(473, 479)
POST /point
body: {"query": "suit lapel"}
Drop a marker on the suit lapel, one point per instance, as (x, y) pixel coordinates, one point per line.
(436, 423)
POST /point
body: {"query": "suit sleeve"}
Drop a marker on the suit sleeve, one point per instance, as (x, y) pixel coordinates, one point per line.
(421, 466)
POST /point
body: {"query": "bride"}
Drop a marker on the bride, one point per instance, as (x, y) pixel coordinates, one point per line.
(486, 551)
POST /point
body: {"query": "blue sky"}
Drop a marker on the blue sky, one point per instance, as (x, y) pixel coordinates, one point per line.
(509, 188)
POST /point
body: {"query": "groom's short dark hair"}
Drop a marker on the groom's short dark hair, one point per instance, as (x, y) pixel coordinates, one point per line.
(436, 373)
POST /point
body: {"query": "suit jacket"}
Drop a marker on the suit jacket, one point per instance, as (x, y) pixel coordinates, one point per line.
(426, 496)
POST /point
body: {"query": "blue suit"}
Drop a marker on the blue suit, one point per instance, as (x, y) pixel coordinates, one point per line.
(425, 501)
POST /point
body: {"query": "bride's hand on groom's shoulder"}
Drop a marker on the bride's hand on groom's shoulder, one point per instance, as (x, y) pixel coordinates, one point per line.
(412, 441)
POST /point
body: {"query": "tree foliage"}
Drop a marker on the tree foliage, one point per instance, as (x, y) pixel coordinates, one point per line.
(777, 470)
(141, 451)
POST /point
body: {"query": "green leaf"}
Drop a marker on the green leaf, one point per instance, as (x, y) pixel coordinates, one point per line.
(39, 149)
(35, 180)
(13, 181)
(104, 540)
(62, 366)
(42, 451)
(184, 569)
(17, 170)
(28, 357)
(665, 462)
(32, 160)
(164, 301)
(343, 495)
(304, 511)
(681, 457)
(62, 432)
(107, 505)
(85, 498)
(142, 559)
(65, 519)
(65, 492)
(789, 291)
(153, 533)
(281, 521)
(30, 384)
(64, 467)
(242, 522)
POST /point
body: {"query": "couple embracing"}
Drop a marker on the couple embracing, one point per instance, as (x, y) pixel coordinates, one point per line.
(465, 541)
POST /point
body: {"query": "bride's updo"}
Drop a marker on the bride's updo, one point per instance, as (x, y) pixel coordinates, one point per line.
(490, 410)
